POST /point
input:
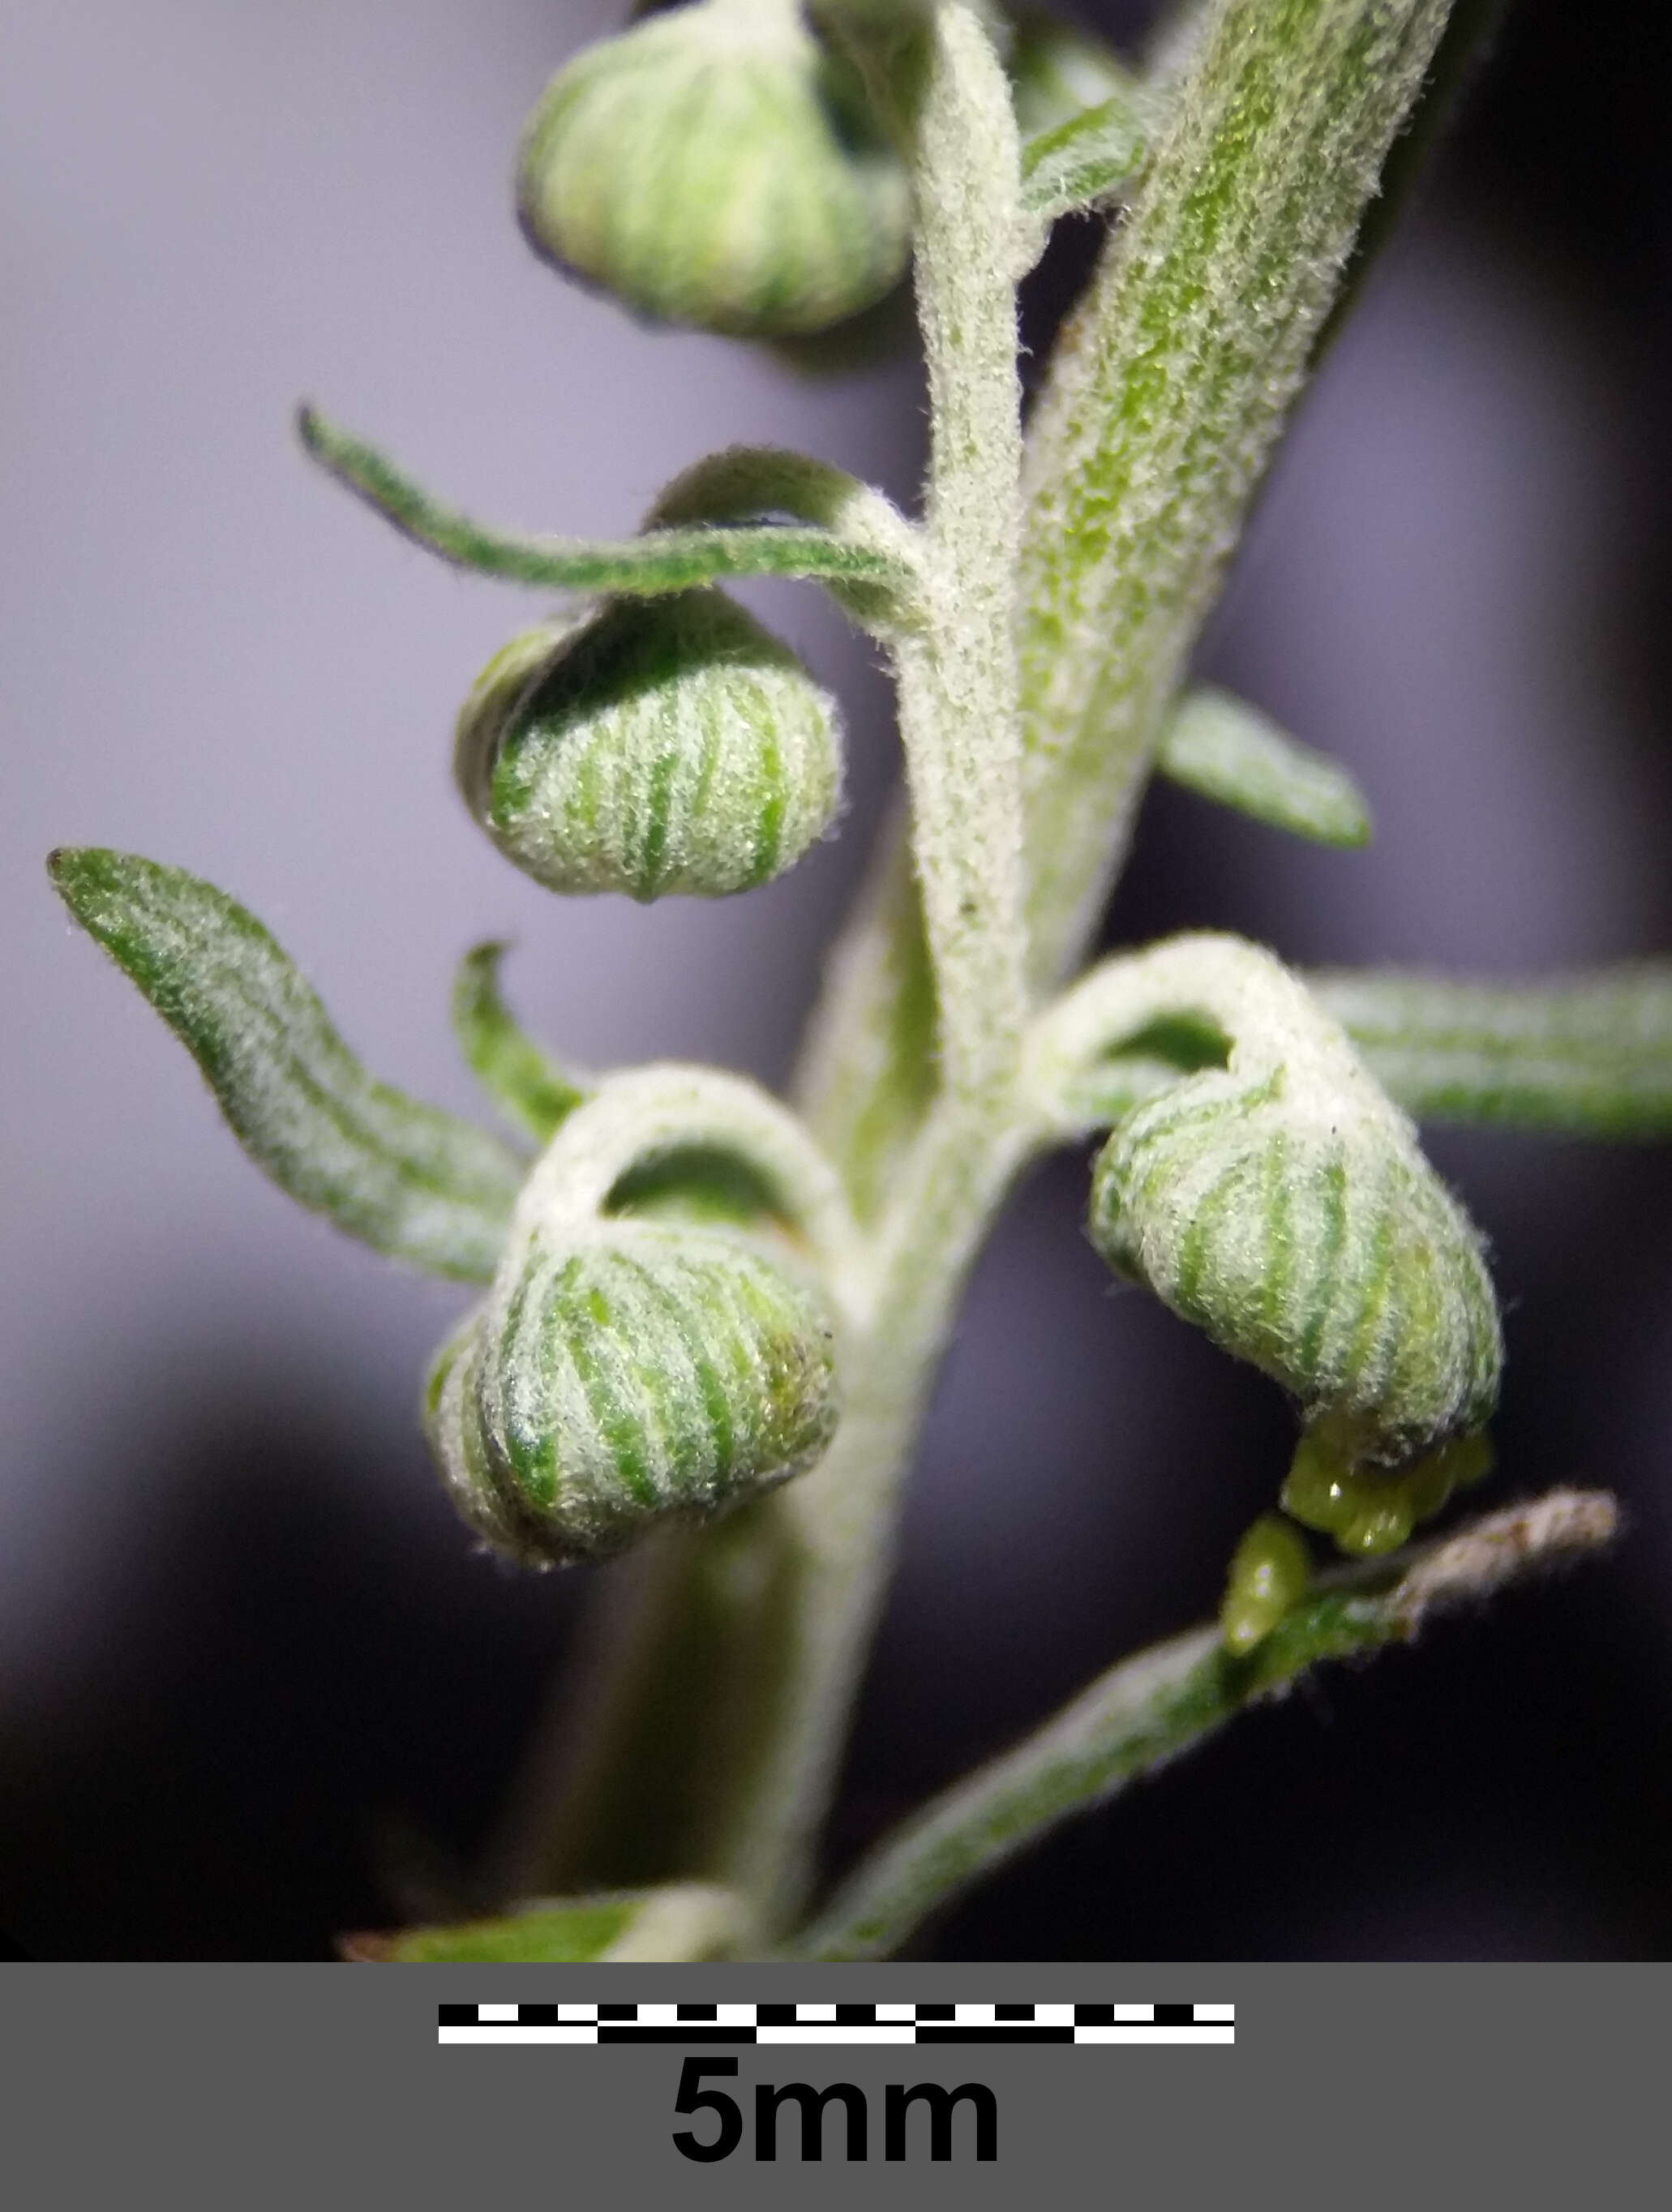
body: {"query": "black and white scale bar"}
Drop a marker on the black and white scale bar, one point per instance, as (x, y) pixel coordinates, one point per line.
(694, 2024)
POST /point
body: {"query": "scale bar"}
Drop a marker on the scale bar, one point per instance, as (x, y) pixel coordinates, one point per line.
(813, 2023)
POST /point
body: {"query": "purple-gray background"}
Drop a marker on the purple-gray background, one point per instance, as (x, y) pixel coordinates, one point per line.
(247, 1664)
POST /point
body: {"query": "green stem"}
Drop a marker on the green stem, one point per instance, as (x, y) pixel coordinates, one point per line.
(1151, 435)
(1166, 396)
(1155, 422)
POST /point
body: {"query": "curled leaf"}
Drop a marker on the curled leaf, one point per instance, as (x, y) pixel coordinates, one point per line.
(407, 1179)
(661, 559)
(515, 1072)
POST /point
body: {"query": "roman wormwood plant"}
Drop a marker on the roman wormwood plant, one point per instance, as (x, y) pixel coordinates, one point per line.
(707, 1322)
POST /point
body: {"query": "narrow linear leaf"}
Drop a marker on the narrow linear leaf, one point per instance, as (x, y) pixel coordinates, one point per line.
(660, 561)
(517, 1075)
(1086, 161)
(1588, 1055)
(1149, 1709)
(407, 1179)
(1223, 749)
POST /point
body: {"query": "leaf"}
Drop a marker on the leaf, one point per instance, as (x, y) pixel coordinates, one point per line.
(662, 560)
(407, 1179)
(1224, 750)
(685, 1920)
(1590, 1055)
(537, 1094)
(1086, 161)
(1145, 1710)
(870, 1064)
(1057, 70)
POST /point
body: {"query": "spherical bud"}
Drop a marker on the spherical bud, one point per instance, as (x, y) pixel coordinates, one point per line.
(716, 166)
(624, 1374)
(654, 746)
(1294, 1220)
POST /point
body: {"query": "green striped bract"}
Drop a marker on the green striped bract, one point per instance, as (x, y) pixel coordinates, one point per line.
(656, 747)
(626, 1375)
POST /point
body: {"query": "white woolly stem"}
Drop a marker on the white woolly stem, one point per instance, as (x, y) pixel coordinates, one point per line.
(1173, 388)
(652, 1111)
(958, 710)
(1267, 1015)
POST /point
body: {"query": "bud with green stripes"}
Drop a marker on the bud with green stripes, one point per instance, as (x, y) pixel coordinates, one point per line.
(651, 746)
(1280, 1201)
(715, 165)
(642, 1357)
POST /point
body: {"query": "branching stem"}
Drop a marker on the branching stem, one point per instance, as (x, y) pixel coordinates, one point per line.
(1023, 776)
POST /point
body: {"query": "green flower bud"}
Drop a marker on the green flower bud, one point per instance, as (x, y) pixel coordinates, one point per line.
(716, 166)
(624, 1375)
(1269, 1574)
(654, 746)
(1287, 1211)
(1373, 1509)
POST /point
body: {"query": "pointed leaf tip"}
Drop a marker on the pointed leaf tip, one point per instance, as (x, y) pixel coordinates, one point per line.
(1223, 749)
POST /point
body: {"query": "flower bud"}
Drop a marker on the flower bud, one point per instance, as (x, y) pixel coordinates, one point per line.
(1294, 1220)
(625, 1373)
(1370, 1509)
(716, 166)
(1270, 1570)
(658, 745)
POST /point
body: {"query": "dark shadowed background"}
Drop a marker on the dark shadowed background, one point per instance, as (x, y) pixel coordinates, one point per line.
(254, 1686)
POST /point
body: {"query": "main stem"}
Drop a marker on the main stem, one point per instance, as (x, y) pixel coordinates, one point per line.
(961, 731)
(732, 1785)
(1153, 430)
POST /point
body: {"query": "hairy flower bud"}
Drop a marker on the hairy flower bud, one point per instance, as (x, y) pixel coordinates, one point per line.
(655, 746)
(1287, 1211)
(626, 1375)
(716, 166)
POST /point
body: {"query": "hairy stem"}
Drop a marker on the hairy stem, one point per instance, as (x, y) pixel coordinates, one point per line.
(957, 681)
(1155, 423)
(1151, 435)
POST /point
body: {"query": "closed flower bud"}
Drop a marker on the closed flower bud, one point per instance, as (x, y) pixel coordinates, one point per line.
(1292, 1218)
(628, 1373)
(655, 746)
(716, 166)
(1369, 1509)
(1269, 1574)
